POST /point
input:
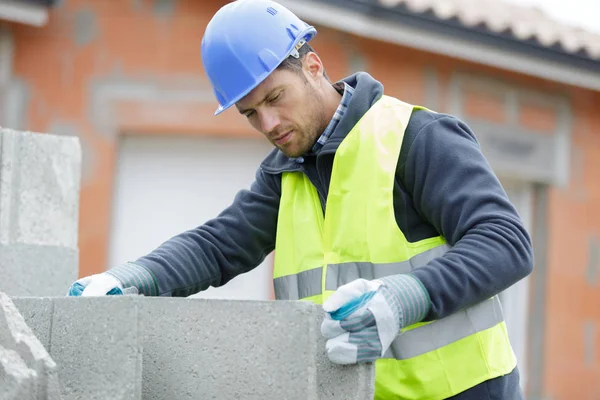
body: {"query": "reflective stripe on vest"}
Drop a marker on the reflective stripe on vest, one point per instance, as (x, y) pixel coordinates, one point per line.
(412, 342)
(459, 325)
(299, 286)
(340, 274)
(309, 283)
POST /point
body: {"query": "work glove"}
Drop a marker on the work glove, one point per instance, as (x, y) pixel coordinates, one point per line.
(362, 319)
(99, 285)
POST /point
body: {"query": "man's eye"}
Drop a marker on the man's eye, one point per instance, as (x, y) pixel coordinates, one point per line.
(249, 114)
(275, 98)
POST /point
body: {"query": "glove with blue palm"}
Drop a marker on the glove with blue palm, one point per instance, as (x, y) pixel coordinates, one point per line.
(99, 285)
(364, 317)
(128, 278)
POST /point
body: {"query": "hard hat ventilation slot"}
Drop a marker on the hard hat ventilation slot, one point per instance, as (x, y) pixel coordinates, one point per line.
(272, 11)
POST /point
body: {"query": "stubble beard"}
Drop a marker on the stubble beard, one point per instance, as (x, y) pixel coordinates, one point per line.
(308, 135)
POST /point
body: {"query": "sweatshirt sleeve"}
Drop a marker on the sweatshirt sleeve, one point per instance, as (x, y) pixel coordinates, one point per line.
(234, 242)
(454, 188)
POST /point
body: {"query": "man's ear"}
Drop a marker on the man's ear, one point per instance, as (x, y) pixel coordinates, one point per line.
(313, 66)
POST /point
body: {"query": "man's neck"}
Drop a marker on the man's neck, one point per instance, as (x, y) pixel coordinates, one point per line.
(332, 101)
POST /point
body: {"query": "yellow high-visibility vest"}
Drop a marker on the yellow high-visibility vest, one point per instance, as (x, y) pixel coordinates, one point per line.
(358, 237)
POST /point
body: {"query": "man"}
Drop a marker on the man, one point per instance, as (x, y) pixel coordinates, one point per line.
(386, 213)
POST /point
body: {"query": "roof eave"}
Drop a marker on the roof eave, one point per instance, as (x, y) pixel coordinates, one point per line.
(29, 12)
(449, 38)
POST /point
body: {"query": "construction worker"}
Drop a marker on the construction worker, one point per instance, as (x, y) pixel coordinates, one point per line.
(386, 213)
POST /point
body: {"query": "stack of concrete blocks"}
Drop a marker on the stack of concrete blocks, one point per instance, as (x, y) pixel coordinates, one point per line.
(39, 207)
(132, 347)
(158, 349)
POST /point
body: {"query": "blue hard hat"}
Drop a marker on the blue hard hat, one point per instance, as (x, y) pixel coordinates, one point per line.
(244, 42)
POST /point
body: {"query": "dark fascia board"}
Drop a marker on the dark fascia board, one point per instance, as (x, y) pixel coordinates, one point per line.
(481, 34)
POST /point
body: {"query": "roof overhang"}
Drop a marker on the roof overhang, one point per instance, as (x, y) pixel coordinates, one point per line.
(31, 12)
(474, 47)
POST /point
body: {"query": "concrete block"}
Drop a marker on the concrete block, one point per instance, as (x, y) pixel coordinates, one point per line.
(37, 313)
(97, 344)
(35, 270)
(27, 368)
(205, 348)
(39, 210)
(17, 380)
(348, 382)
(199, 348)
(39, 190)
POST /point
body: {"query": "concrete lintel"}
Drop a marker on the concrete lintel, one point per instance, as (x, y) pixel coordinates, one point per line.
(107, 93)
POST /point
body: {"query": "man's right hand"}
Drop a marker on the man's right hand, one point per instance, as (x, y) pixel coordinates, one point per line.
(99, 285)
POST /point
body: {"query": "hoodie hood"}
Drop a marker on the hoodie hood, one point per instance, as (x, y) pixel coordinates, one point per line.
(367, 91)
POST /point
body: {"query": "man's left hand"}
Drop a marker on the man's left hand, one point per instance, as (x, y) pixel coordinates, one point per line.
(361, 321)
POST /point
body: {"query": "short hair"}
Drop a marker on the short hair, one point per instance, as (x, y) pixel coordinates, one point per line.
(295, 64)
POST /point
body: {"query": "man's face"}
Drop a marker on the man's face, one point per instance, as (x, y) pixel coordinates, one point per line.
(287, 108)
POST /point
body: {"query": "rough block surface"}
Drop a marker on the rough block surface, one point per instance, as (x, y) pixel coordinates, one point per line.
(39, 211)
(192, 348)
(34, 270)
(97, 344)
(39, 188)
(37, 313)
(348, 382)
(17, 380)
(197, 348)
(26, 367)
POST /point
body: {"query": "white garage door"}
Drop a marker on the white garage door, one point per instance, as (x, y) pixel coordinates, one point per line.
(515, 299)
(167, 184)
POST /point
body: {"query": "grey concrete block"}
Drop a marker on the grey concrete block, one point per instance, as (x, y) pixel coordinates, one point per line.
(37, 313)
(348, 382)
(215, 349)
(97, 344)
(204, 348)
(17, 380)
(27, 366)
(34, 270)
(39, 188)
(193, 348)
(39, 210)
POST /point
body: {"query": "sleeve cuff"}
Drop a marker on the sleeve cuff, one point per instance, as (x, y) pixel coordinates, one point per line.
(131, 274)
(411, 296)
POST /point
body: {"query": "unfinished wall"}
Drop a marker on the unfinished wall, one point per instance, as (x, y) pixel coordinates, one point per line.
(160, 348)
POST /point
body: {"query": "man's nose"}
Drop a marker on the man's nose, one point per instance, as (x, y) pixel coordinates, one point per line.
(269, 121)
